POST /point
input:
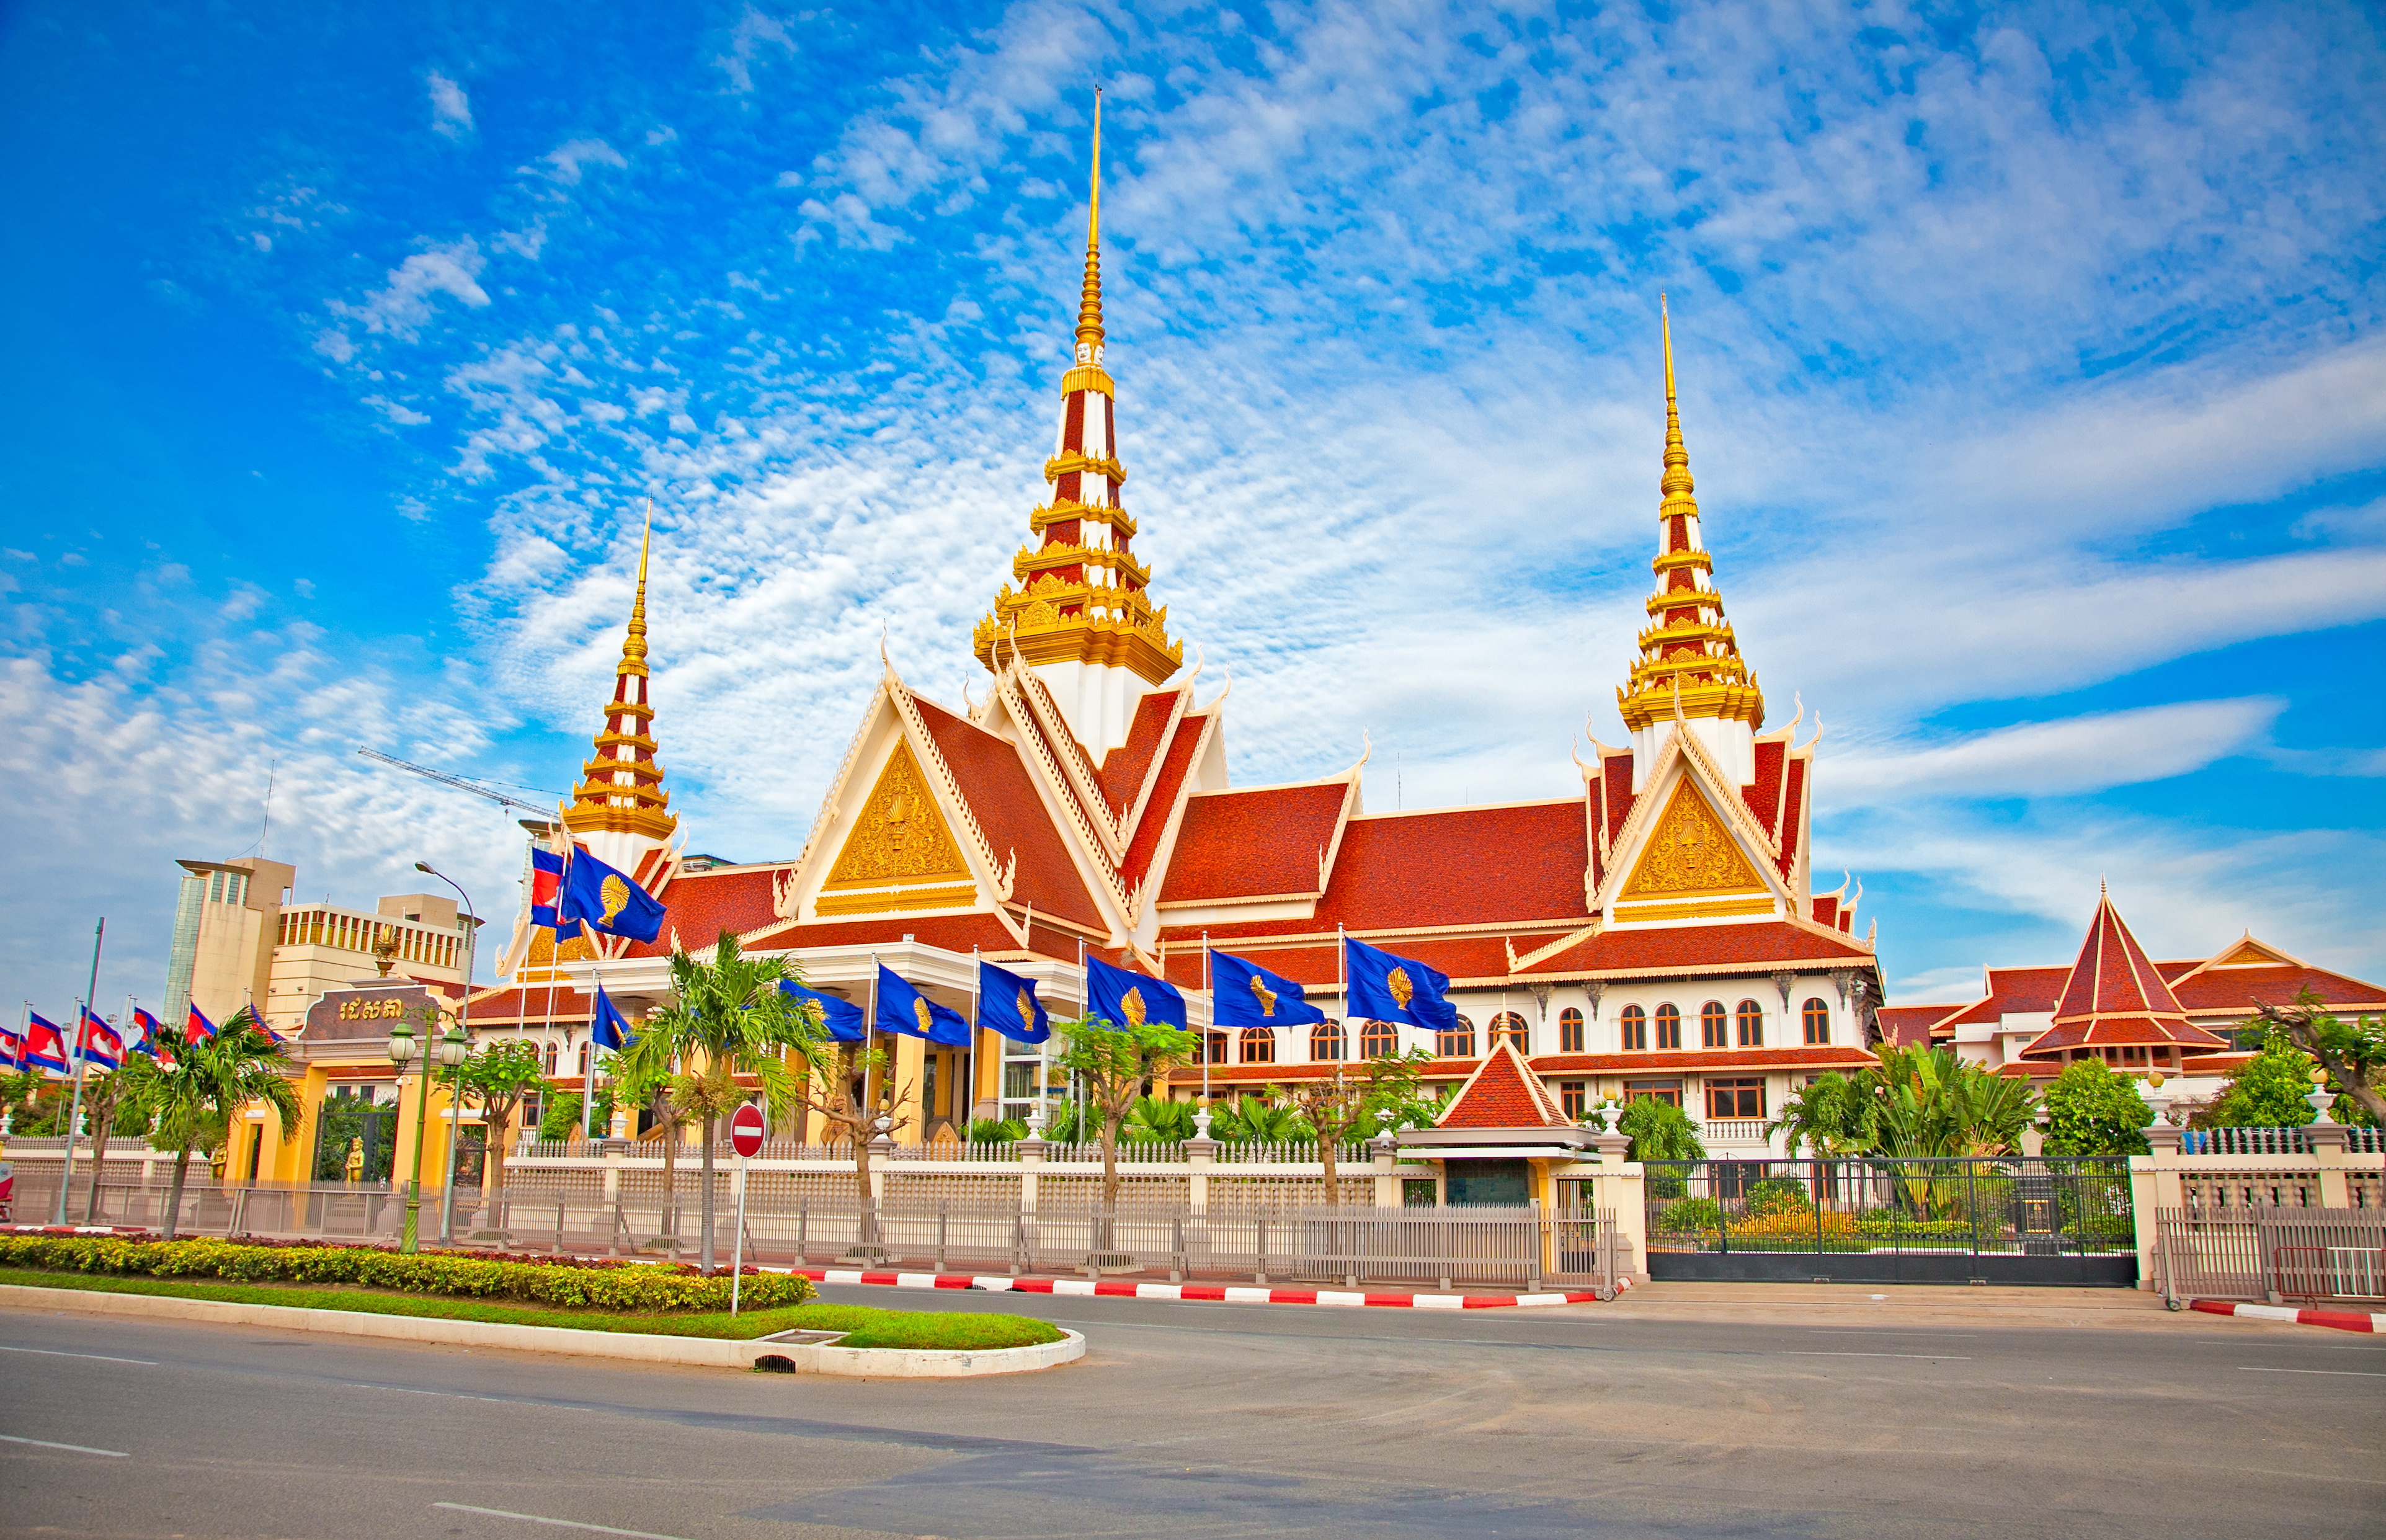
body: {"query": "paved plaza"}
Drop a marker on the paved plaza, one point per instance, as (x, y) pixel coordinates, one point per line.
(1682, 1411)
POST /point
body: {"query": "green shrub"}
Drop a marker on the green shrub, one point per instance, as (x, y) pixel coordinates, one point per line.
(1778, 1194)
(604, 1287)
(1684, 1215)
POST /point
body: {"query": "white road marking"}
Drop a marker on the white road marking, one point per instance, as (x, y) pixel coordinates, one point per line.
(55, 1353)
(560, 1523)
(2356, 1373)
(76, 1449)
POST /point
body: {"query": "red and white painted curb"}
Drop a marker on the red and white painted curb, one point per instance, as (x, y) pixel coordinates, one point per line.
(2343, 1321)
(1222, 1293)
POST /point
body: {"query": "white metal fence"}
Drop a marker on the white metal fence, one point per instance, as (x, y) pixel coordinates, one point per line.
(2270, 1253)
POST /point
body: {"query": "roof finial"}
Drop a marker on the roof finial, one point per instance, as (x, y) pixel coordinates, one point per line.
(1089, 303)
(635, 645)
(1675, 485)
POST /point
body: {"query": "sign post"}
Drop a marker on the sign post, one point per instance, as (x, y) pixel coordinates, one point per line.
(746, 1128)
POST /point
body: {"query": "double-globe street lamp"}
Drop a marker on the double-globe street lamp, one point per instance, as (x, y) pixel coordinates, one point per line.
(449, 1051)
(463, 1031)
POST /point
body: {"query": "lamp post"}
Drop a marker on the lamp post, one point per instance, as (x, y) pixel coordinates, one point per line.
(403, 1050)
(461, 1036)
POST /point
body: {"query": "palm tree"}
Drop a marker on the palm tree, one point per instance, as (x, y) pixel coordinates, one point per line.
(198, 1094)
(1831, 1117)
(727, 1017)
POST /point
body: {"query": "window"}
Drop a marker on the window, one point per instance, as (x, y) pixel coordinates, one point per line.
(1667, 1091)
(1458, 1042)
(1379, 1040)
(550, 1057)
(1570, 1030)
(1574, 1096)
(1714, 1026)
(1325, 1043)
(1509, 1027)
(583, 1061)
(1736, 1098)
(1635, 1025)
(1752, 1024)
(1669, 1027)
(1213, 1047)
(1259, 1045)
(1818, 1021)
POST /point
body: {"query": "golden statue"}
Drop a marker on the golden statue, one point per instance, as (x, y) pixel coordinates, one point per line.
(356, 1161)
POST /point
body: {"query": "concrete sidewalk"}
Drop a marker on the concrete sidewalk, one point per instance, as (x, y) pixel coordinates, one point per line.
(1877, 1307)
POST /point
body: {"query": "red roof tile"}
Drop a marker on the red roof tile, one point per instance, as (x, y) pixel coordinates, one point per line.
(699, 906)
(954, 933)
(1706, 1060)
(1909, 1026)
(1827, 909)
(1175, 767)
(1461, 866)
(1253, 843)
(530, 1004)
(1124, 767)
(1615, 780)
(1002, 796)
(1674, 949)
(2023, 991)
(2112, 975)
(1793, 797)
(2238, 990)
(1764, 794)
(1501, 1094)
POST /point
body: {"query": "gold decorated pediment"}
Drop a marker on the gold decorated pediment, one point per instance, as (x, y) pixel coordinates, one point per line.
(1690, 852)
(901, 836)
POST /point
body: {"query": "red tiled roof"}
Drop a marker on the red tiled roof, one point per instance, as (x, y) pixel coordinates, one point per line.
(699, 906)
(2122, 1032)
(1253, 843)
(1682, 949)
(2238, 990)
(2112, 975)
(530, 1003)
(1461, 866)
(1764, 794)
(1827, 909)
(2022, 991)
(954, 933)
(1909, 1026)
(1175, 766)
(1707, 1060)
(1501, 1093)
(1615, 780)
(1003, 798)
(1793, 795)
(1124, 767)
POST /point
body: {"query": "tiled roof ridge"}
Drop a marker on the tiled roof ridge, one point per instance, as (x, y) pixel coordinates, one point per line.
(1518, 1075)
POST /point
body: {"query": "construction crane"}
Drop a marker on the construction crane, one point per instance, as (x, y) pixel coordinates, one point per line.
(546, 813)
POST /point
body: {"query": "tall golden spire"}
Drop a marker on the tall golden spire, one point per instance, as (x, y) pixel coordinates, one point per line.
(1689, 647)
(1081, 596)
(1089, 299)
(622, 790)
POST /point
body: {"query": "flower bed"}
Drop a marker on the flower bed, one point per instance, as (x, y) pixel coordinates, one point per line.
(604, 1285)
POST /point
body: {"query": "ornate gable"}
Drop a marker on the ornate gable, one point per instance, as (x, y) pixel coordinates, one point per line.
(900, 854)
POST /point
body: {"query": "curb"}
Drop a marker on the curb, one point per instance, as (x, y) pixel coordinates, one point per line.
(643, 1347)
(2342, 1321)
(1222, 1294)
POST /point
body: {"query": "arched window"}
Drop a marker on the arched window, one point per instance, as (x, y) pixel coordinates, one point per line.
(1669, 1027)
(1259, 1045)
(1635, 1025)
(1509, 1027)
(1325, 1043)
(583, 1061)
(1714, 1026)
(1818, 1021)
(550, 1059)
(1570, 1030)
(1457, 1042)
(1379, 1040)
(1213, 1045)
(1752, 1024)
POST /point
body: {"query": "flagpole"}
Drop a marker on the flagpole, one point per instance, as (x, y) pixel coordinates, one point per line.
(969, 1076)
(870, 1044)
(66, 1178)
(1207, 1037)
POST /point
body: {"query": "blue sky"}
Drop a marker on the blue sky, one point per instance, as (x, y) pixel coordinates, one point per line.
(2030, 361)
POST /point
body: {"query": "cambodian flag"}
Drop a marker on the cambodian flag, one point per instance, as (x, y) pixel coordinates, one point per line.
(45, 1046)
(148, 1035)
(199, 1029)
(12, 1049)
(545, 876)
(99, 1043)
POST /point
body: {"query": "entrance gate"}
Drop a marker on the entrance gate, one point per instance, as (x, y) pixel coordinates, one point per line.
(2000, 1220)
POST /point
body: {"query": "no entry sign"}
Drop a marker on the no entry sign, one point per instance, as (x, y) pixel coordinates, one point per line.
(745, 1130)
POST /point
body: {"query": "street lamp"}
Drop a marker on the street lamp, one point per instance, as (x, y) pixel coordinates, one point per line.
(448, 1051)
(458, 1036)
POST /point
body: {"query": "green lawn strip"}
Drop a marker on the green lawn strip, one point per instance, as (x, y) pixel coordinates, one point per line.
(871, 1328)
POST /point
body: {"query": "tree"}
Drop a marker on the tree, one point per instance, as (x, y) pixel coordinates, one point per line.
(500, 1075)
(836, 1086)
(197, 1097)
(1832, 1117)
(2353, 1055)
(1157, 1121)
(106, 1096)
(1114, 1064)
(2090, 1110)
(1339, 1106)
(1659, 1131)
(559, 1118)
(1256, 1120)
(727, 1017)
(1927, 1103)
(1397, 1097)
(2267, 1091)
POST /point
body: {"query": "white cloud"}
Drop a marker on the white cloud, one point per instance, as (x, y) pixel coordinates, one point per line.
(451, 111)
(754, 32)
(2057, 758)
(404, 304)
(564, 162)
(396, 412)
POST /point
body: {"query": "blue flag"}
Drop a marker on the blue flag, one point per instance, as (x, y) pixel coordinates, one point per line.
(545, 878)
(1007, 1003)
(843, 1019)
(607, 899)
(1389, 988)
(1245, 994)
(903, 1008)
(1116, 996)
(607, 1028)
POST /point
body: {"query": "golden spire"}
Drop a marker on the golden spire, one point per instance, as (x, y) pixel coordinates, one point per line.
(1690, 663)
(1089, 301)
(621, 789)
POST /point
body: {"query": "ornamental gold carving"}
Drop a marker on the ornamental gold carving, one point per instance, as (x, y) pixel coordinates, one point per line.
(900, 836)
(1690, 852)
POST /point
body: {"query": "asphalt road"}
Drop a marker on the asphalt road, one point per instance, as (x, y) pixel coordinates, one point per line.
(1207, 1419)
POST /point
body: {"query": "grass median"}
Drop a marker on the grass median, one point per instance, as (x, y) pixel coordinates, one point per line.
(867, 1327)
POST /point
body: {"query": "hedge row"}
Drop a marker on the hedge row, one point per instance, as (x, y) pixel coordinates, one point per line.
(633, 1288)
